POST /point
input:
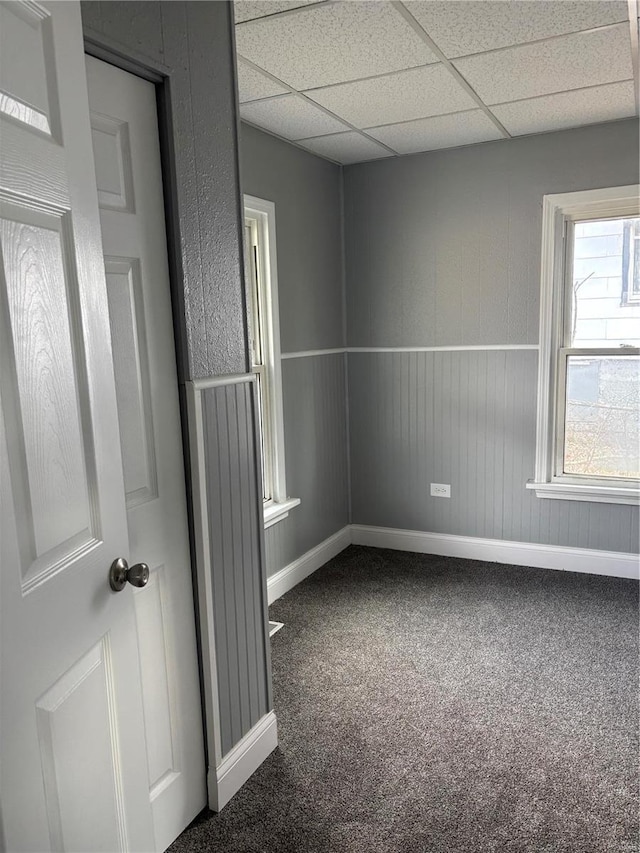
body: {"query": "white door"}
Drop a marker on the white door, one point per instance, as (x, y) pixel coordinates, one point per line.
(127, 157)
(74, 763)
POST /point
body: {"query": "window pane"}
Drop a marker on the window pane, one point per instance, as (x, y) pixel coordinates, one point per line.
(602, 435)
(266, 487)
(605, 309)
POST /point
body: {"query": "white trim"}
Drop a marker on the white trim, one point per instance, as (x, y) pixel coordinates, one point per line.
(291, 575)
(277, 511)
(557, 210)
(557, 557)
(242, 761)
(595, 204)
(313, 352)
(225, 379)
(611, 563)
(474, 348)
(203, 571)
(265, 212)
(582, 492)
(483, 348)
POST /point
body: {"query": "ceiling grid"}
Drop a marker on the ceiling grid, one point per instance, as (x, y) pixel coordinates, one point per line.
(358, 80)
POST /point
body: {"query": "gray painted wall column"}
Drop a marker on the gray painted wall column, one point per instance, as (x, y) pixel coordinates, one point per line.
(191, 45)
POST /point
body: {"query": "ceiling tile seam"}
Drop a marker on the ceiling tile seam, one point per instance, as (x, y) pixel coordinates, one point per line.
(474, 109)
(266, 73)
(634, 24)
(565, 91)
(535, 41)
(433, 64)
(420, 118)
(294, 142)
(406, 14)
(313, 103)
(266, 98)
(255, 67)
(344, 121)
(284, 13)
(326, 135)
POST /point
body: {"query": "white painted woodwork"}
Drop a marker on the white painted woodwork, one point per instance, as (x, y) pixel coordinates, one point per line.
(73, 769)
(129, 180)
(91, 816)
(133, 389)
(27, 66)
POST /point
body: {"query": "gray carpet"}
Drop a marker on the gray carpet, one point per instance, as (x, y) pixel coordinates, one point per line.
(435, 705)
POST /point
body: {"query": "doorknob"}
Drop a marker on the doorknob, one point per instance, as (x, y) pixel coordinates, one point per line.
(120, 573)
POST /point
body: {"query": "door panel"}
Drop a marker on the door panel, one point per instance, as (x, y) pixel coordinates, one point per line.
(129, 181)
(157, 687)
(53, 464)
(29, 74)
(77, 729)
(72, 756)
(133, 387)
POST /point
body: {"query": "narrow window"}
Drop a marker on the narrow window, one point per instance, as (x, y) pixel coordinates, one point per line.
(262, 302)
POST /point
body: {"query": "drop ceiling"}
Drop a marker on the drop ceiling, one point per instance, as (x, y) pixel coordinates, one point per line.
(353, 81)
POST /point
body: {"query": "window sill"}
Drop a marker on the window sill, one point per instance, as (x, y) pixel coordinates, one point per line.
(278, 510)
(586, 492)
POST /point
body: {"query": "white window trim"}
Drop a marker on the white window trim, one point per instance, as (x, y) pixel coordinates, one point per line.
(264, 212)
(557, 209)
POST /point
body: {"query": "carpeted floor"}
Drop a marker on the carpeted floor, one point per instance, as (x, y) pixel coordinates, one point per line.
(435, 705)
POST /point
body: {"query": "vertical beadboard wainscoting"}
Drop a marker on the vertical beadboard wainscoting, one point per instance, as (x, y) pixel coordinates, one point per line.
(232, 595)
(466, 418)
(315, 427)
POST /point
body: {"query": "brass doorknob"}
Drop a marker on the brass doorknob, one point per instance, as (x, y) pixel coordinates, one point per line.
(120, 573)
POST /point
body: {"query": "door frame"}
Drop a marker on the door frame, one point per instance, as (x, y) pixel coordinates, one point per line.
(101, 47)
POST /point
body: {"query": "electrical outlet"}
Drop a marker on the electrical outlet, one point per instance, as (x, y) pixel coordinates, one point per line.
(440, 490)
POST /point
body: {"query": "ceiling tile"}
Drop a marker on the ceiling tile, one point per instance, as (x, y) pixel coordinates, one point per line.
(290, 116)
(468, 26)
(427, 134)
(568, 109)
(403, 96)
(253, 85)
(247, 10)
(346, 147)
(569, 62)
(333, 43)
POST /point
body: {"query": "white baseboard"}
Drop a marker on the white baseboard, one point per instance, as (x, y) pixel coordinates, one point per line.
(291, 575)
(244, 759)
(612, 563)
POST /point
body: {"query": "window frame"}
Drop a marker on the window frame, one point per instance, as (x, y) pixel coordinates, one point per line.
(269, 383)
(559, 211)
(631, 296)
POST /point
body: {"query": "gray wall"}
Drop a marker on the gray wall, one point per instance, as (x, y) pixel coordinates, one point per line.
(467, 419)
(316, 452)
(242, 650)
(306, 191)
(190, 46)
(191, 43)
(443, 249)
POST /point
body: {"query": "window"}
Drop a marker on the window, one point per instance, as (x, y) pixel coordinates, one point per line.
(588, 437)
(264, 334)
